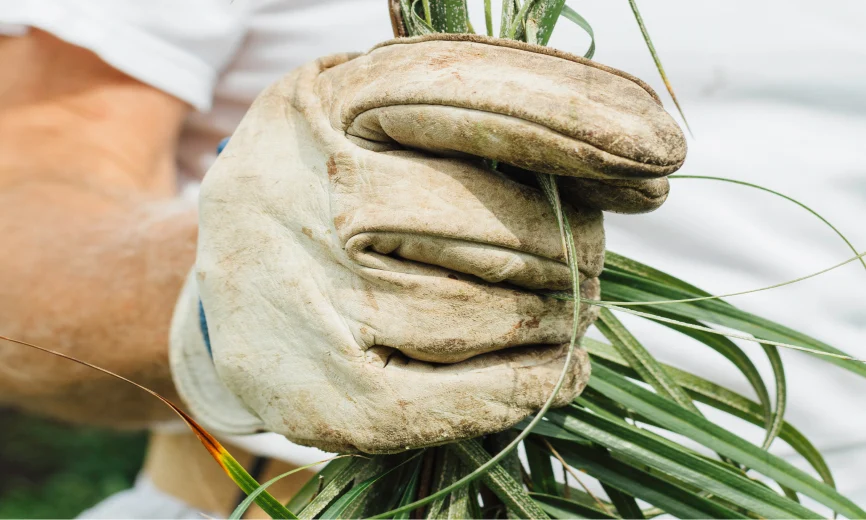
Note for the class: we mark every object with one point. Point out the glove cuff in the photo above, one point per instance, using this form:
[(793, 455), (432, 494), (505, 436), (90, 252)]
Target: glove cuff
[(208, 400)]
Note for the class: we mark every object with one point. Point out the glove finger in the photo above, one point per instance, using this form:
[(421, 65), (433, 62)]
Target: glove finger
[(520, 104), (431, 404), (458, 215), (431, 314), (616, 195)]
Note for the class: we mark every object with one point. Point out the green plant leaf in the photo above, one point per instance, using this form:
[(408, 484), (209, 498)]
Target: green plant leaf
[(778, 417), (716, 396), (343, 503), (774, 417), (636, 482), (572, 16), (679, 462), (625, 504), (449, 16), (619, 286), (540, 469), (657, 60), (699, 429), (560, 507), (239, 511), (473, 455), (410, 491), (341, 480), (230, 466), (309, 490), (542, 18), (778, 194), (509, 14), (641, 360)]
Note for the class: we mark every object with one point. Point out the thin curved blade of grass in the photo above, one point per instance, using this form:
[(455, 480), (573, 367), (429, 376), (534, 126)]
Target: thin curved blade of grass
[(619, 285), (727, 295), (658, 61), (714, 437), (233, 469), (782, 195), (718, 397), (816, 352), (239, 511), (572, 15), (551, 190)]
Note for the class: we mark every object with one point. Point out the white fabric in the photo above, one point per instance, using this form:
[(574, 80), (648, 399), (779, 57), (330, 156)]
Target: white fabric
[(143, 501), (775, 94)]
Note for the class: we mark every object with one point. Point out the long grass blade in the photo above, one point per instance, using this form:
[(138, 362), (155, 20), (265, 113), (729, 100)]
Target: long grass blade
[(410, 492), (448, 16), (473, 455), (781, 395), (332, 489), (345, 501), (571, 15), (232, 467), (650, 370), (815, 351), (541, 19), (635, 481), (718, 397), (310, 490), (657, 60), (625, 504), (727, 295), (697, 428), (560, 507), (782, 195), (239, 511), (679, 462)]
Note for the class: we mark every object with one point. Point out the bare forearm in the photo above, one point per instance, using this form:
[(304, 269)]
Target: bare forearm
[(94, 275)]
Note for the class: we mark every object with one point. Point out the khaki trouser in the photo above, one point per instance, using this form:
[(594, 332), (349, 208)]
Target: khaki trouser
[(179, 465)]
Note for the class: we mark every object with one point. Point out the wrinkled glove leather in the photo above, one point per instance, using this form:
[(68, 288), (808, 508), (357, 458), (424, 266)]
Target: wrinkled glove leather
[(369, 283)]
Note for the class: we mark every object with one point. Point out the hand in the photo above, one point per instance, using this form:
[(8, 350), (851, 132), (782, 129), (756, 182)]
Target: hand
[(369, 284)]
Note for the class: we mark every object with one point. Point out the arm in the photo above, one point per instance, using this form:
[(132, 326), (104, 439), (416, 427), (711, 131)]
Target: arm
[(95, 247)]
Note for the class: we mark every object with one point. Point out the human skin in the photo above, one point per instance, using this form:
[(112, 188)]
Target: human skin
[(96, 245)]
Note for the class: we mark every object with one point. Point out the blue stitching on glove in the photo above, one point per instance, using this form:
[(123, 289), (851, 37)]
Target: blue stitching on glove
[(202, 325), (202, 320)]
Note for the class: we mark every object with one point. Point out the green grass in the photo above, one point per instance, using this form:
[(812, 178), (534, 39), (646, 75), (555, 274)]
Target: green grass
[(53, 470)]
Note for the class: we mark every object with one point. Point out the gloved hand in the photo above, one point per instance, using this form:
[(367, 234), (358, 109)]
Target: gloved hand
[(369, 284)]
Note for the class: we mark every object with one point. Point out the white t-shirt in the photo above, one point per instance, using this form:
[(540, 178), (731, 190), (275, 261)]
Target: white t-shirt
[(775, 93)]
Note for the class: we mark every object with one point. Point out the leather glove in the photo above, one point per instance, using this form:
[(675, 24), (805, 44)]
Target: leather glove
[(369, 283)]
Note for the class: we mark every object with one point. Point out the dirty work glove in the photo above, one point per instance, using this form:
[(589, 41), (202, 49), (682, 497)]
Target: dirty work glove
[(368, 282)]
